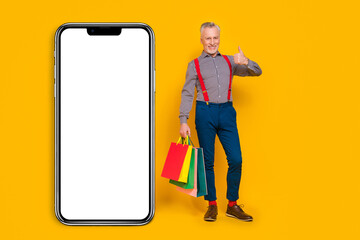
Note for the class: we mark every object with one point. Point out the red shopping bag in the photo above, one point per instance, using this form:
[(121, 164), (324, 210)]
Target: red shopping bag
[(175, 160)]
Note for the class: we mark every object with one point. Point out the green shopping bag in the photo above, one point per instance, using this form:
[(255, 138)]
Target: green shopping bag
[(201, 175), (193, 191)]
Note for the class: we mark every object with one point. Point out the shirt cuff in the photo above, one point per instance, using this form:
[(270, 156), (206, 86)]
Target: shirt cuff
[(250, 65), (183, 119)]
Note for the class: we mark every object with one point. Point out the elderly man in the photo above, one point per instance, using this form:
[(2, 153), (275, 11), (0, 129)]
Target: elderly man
[(212, 74)]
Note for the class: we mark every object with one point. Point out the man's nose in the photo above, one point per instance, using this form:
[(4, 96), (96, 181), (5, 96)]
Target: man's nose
[(212, 41)]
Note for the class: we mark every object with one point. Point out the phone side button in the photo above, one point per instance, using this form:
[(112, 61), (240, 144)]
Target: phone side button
[(55, 90), (55, 72), (154, 81)]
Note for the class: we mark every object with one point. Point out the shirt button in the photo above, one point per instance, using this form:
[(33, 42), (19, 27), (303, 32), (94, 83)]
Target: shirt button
[(219, 96)]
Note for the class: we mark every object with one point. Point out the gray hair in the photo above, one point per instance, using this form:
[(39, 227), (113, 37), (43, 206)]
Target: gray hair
[(209, 25)]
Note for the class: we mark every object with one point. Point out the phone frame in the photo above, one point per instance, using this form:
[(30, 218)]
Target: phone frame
[(57, 97)]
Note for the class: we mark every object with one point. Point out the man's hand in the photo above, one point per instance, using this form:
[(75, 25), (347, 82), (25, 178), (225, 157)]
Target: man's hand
[(240, 58), (184, 130)]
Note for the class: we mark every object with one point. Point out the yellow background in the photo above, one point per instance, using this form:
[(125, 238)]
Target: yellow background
[(298, 122)]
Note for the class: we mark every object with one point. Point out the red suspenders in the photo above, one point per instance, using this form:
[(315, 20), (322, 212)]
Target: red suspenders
[(228, 62), (206, 96)]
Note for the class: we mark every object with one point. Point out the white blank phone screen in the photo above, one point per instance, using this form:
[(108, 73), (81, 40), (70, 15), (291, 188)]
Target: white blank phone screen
[(104, 119)]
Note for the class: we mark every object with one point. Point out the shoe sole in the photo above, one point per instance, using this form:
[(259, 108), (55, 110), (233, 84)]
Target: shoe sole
[(210, 219), (245, 220)]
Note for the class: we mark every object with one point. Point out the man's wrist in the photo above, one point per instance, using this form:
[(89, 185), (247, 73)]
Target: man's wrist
[(183, 119)]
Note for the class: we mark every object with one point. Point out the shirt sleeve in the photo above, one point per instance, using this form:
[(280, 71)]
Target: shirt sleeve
[(252, 69), (187, 93)]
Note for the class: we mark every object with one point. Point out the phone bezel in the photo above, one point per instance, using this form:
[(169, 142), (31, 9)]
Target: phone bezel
[(57, 95)]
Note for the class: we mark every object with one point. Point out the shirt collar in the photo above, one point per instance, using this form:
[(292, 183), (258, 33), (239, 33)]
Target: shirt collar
[(204, 54)]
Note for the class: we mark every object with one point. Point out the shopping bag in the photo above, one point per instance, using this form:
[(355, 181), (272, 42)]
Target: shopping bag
[(193, 191), (201, 175), (190, 181), (175, 160), (186, 165)]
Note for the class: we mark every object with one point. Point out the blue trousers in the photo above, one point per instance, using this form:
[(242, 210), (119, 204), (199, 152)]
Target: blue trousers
[(220, 119)]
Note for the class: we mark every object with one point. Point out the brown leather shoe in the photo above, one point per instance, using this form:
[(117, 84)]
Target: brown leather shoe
[(236, 212), (211, 213)]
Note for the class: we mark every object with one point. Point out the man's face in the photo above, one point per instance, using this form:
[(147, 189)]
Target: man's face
[(210, 39)]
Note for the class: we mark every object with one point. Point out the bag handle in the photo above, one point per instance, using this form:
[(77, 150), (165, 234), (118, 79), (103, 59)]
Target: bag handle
[(183, 140), (186, 141), (190, 142)]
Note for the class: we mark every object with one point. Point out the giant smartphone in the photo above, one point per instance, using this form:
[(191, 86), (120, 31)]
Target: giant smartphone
[(104, 123)]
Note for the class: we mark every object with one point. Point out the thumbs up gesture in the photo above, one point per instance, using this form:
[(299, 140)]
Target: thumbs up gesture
[(240, 58)]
